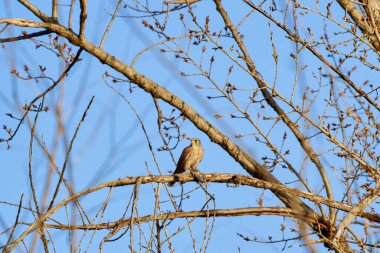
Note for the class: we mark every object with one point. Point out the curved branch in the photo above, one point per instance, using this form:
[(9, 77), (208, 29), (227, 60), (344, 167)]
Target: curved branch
[(216, 178), (251, 211)]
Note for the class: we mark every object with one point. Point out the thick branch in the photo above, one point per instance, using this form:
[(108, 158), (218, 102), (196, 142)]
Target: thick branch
[(361, 22)]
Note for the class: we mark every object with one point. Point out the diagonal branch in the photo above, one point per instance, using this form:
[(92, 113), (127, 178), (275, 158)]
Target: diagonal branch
[(16, 221), (361, 22), (68, 152), (270, 100), (358, 208), (37, 12), (26, 36), (110, 24)]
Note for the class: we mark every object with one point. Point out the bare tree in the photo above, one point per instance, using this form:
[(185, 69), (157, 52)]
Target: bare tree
[(286, 89)]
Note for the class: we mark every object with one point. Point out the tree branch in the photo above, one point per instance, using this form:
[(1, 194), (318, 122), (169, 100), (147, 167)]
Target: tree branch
[(215, 178), (83, 17), (26, 36), (251, 211)]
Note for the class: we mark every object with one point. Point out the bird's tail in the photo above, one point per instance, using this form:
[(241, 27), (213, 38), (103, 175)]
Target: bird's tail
[(177, 170)]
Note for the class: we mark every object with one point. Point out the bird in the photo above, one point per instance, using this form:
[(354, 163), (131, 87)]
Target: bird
[(189, 158)]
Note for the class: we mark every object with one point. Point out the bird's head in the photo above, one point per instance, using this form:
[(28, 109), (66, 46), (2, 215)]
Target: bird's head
[(195, 141)]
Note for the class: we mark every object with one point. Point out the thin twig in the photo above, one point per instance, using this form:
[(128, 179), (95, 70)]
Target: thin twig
[(83, 17), (26, 36), (110, 24), (16, 221), (68, 154)]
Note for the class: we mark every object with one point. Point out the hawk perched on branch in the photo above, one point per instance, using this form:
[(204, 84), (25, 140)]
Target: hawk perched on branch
[(189, 158)]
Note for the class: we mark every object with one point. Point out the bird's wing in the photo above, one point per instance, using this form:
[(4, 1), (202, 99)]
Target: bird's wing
[(182, 160)]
